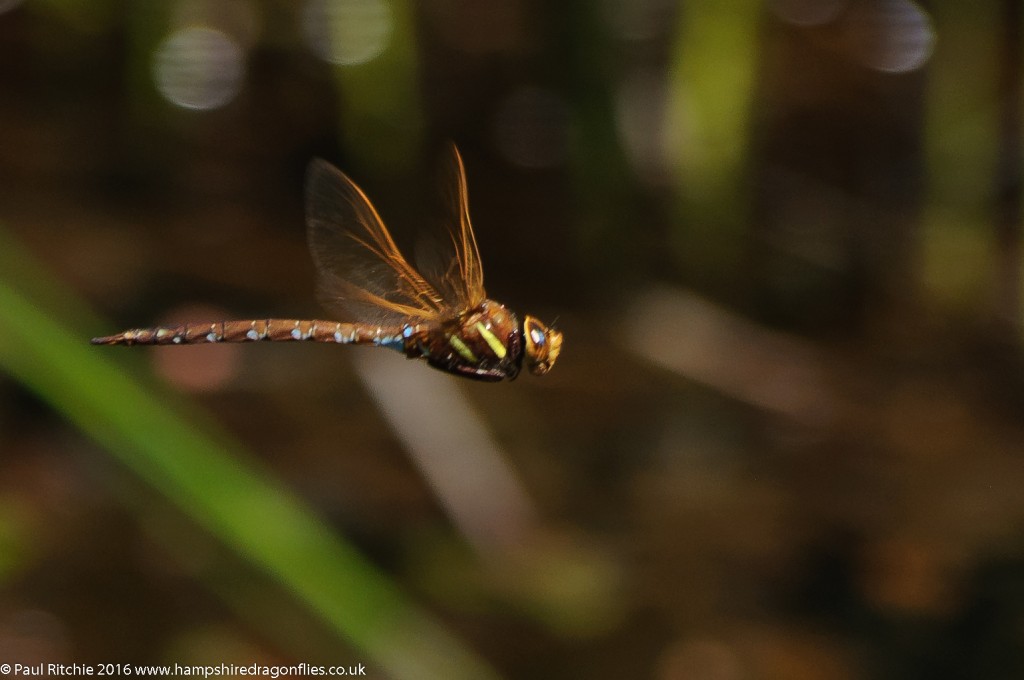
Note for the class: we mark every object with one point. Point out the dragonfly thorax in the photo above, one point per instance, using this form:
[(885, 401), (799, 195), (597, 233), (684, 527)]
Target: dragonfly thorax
[(485, 343)]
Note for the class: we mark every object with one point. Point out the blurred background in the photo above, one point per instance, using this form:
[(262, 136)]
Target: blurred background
[(782, 239)]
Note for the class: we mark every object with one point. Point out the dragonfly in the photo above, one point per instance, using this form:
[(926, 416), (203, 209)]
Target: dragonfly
[(439, 312)]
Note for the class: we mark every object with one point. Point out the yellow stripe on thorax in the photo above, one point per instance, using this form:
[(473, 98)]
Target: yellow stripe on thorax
[(492, 340), (460, 347)]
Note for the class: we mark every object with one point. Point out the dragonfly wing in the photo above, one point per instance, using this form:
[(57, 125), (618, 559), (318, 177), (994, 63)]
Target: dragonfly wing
[(361, 271), (451, 261)]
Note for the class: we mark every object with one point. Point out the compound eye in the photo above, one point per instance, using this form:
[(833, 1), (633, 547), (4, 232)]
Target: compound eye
[(538, 336)]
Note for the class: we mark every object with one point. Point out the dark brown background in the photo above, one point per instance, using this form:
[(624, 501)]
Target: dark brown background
[(783, 441)]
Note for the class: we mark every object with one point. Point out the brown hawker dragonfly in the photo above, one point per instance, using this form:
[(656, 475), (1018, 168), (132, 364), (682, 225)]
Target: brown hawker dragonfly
[(441, 315)]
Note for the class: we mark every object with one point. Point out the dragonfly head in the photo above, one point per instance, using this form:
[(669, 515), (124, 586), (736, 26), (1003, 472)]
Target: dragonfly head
[(542, 345)]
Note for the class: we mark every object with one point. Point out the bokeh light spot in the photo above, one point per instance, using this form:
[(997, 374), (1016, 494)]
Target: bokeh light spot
[(641, 108), (348, 32), (196, 368), (198, 67), (241, 19), (7, 5), (895, 36)]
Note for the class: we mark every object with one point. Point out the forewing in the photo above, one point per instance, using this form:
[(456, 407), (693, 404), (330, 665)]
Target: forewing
[(362, 274), (451, 262)]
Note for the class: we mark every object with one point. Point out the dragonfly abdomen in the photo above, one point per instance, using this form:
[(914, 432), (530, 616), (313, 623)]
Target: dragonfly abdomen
[(256, 330)]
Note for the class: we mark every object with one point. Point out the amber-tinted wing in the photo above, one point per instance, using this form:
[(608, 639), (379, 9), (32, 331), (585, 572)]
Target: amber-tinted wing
[(362, 274), (451, 263)]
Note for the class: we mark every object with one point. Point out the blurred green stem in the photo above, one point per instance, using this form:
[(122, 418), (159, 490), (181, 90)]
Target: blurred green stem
[(711, 82)]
